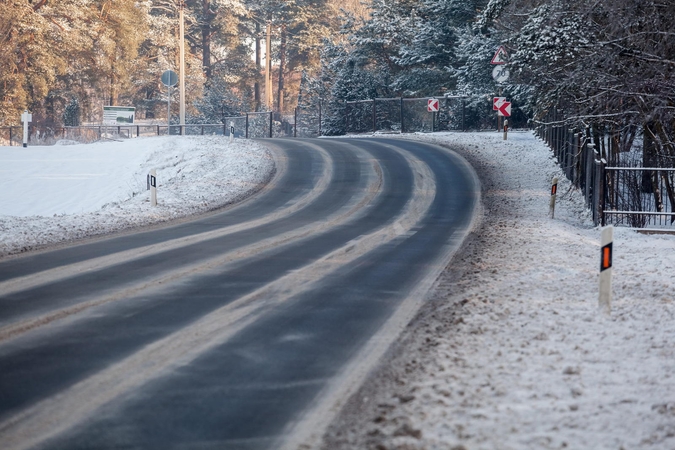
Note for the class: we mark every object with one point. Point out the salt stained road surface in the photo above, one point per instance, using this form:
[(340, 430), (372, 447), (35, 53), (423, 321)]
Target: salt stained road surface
[(510, 352), (65, 192)]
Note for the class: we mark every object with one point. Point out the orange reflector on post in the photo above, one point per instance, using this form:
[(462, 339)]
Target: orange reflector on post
[(554, 189), (606, 257)]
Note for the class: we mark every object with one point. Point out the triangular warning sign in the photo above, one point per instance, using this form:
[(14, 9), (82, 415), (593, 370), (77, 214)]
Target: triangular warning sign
[(500, 56)]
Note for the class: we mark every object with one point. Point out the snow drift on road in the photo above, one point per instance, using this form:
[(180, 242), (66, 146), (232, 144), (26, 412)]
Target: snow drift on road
[(65, 192)]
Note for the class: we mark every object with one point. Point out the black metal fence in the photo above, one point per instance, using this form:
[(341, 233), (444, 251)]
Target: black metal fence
[(403, 115), (622, 193), (251, 125)]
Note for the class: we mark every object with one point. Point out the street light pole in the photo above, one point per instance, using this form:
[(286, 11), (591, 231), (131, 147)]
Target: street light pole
[(181, 50)]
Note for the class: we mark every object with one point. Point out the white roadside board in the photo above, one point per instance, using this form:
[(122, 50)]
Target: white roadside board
[(118, 115)]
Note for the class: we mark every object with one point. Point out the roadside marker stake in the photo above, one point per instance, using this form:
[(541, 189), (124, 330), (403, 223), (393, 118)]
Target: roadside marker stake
[(153, 187), (554, 192), (506, 127), (606, 249), (231, 131)]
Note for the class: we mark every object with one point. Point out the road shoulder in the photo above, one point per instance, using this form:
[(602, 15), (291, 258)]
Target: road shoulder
[(509, 350)]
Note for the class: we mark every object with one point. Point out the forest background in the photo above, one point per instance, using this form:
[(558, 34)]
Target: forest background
[(604, 64)]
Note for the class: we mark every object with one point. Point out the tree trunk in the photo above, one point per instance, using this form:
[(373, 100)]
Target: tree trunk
[(114, 94), (206, 38), (282, 64), (648, 157)]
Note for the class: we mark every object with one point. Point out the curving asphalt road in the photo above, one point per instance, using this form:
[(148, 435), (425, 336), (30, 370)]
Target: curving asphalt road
[(242, 329)]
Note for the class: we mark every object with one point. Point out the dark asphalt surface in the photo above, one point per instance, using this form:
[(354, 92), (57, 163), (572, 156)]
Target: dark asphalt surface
[(243, 393)]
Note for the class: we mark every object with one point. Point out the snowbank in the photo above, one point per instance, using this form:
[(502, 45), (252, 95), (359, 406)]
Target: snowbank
[(65, 192)]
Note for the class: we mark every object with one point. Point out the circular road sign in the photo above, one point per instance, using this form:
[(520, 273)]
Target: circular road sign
[(500, 74), (169, 78)]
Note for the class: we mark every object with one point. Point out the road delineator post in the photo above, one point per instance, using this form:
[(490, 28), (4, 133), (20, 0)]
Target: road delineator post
[(506, 128), (606, 249), (231, 131), (153, 187), (554, 193)]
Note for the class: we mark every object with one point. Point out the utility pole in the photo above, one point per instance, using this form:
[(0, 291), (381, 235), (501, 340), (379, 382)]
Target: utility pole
[(181, 50), (258, 66), (268, 67)]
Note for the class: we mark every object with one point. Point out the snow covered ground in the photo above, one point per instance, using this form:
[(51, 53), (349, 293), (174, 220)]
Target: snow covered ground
[(69, 191), (511, 351)]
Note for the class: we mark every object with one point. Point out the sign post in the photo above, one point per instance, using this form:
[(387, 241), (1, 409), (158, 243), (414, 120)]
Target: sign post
[(606, 247), (501, 75), (26, 117), (169, 79), (433, 106)]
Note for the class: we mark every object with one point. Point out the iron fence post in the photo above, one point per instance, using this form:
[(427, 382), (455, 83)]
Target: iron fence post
[(401, 114), (246, 126), (346, 117), (374, 117), (295, 124), (463, 115), (320, 104), (271, 122)]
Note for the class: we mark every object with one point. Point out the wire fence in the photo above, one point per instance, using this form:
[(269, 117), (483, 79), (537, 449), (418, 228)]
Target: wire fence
[(616, 187), (404, 115), (250, 125)]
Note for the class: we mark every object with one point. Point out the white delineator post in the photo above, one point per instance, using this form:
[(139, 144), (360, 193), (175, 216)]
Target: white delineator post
[(554, 192), (606, 248), (506, 128), (231, 132), (153, 187), (26, 117)]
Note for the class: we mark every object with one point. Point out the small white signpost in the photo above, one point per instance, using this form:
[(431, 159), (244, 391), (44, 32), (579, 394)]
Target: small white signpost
[(606, 244), (153, 187), (231, 131), (26, 117)]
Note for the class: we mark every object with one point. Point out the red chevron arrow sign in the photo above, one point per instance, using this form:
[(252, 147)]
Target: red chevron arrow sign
[(504, 109), (433, 105)]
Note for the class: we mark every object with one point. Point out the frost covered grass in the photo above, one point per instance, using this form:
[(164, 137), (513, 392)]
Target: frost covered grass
[(512, 352), (65, 192)]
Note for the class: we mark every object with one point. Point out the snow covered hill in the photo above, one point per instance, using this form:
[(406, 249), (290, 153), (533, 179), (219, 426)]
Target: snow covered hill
[(69, 191)]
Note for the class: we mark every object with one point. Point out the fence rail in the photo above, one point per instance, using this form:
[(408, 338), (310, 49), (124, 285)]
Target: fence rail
[(637, 197)]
